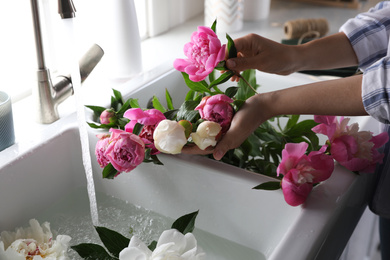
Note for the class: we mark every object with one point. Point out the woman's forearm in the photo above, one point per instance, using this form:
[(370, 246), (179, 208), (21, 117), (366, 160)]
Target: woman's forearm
[(333, 51), (331, 97)]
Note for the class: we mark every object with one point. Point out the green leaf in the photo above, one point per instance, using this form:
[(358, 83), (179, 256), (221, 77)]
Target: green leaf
[(147, 155), (222, 79), (122, 122), (231, 47), (152, 245), (115, 104), (109, 172), (221, 65), (246, 147), (314, 141), (169, 100), (151, 158), (137, 128), (112, 240), (214, 26), (301, 128), (255, 143), (92, 252), (293, 119), (264, 167), (157, 104), (156, 160), (96, 126), (134, 103), (271, 185), (187, 112), (244, 92), (124, 108), (195, 86), (231, 91), (186, 223), (198, 98), (212, 76), (190, 95), (238, 104), (118, 96), (97, 110), (171, 114)]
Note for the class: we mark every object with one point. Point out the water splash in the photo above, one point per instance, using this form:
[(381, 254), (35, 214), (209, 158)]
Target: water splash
[(70, 34)]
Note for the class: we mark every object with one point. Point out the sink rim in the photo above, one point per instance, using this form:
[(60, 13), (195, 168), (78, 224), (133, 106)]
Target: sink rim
[(307, 246)]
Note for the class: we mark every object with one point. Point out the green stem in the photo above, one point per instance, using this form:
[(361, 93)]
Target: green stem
[(217, 90), (246, 82), (279, 126)]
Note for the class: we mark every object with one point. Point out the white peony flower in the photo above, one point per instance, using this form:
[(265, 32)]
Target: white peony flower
[(33, 243), (169, 137), (172, 245), (206, 134)]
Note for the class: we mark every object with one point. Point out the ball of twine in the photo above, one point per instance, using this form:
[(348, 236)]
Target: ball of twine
[(309, 28)]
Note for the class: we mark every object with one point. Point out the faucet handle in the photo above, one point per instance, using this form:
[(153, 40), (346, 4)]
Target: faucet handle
[(89, 61), (50, 94)]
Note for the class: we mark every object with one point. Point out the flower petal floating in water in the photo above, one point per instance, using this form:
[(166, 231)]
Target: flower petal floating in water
[(33, 243), (171, 245)]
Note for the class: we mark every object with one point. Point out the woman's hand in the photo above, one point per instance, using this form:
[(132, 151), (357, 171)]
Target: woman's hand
[(245, 121), (257, 52)]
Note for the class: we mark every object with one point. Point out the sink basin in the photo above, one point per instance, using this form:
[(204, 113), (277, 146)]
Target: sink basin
[(259, 223)]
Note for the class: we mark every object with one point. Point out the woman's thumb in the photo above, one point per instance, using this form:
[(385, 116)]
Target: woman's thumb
[(239, 64), (221, 149)]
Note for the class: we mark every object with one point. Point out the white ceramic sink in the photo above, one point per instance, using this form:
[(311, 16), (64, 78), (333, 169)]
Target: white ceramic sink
[(40, 176)]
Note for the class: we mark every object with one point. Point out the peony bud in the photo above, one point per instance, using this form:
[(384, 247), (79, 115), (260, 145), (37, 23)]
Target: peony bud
[(169, 137), (218, 109), (207, 134), (108, 116)]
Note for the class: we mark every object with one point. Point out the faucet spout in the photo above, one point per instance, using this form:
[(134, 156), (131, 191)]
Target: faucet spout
[(66, 9), (49, 94)]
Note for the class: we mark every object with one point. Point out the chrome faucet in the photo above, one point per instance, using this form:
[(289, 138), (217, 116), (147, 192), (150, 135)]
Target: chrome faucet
[(48, 94)]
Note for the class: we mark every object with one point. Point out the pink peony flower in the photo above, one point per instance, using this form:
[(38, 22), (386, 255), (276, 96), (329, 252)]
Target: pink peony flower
[(100, 150), (108, 116), (356, 150), (150, 119), (125, 150), (294, 193), (301, 171), (217, 109), (203, 53)]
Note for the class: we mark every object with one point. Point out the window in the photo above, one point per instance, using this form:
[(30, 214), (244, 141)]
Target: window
[(17, 47)]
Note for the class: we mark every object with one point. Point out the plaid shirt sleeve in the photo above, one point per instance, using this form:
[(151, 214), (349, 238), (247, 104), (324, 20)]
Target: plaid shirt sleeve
[(369, 36)]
